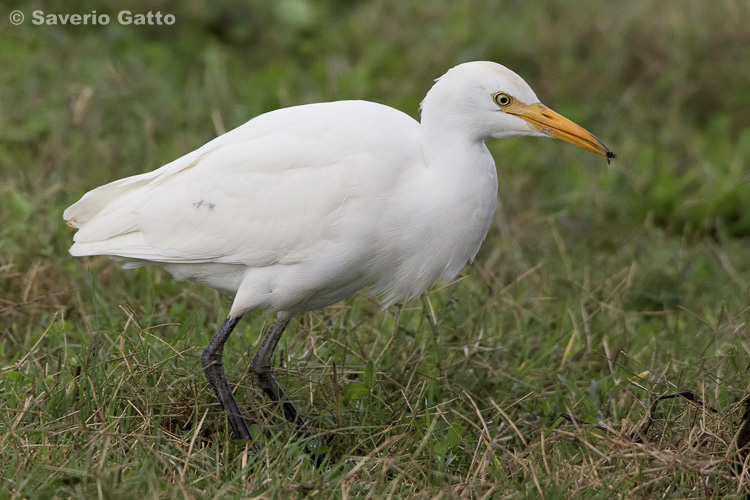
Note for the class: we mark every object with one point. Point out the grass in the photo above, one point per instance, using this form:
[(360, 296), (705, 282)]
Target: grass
[(598, 290)]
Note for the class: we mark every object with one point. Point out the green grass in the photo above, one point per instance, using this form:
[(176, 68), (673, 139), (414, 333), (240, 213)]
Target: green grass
[(598, 289)]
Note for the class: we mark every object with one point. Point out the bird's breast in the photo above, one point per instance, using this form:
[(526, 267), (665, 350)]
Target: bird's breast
[(434, 228)]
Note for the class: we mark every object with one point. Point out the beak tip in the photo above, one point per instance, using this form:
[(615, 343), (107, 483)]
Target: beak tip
[(610, 156)]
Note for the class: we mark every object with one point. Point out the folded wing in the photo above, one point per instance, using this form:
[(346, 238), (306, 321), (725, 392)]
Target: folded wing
[(272, 191)]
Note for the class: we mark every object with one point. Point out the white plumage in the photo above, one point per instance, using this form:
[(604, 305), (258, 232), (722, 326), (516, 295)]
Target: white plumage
[(301, 207)]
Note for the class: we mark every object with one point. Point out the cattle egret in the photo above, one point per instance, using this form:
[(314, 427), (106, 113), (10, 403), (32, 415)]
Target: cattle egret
[(301, 207)]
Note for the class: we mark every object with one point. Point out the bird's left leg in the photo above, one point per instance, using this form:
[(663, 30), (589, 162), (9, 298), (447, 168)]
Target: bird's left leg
[(214, 370), (261, 365)]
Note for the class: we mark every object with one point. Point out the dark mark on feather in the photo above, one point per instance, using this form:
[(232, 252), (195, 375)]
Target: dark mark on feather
[(203, 203)]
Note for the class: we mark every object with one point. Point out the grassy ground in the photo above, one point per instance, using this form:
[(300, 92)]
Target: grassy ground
[(598, 290)]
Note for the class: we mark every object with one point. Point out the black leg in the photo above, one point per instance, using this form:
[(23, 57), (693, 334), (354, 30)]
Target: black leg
[(214, 370), (261, 365)]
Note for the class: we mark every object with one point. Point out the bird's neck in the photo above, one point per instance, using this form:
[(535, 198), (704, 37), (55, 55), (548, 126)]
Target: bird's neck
[(448, 129), (449, 144)]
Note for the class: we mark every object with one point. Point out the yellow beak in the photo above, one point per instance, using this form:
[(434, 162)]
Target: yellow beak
[(546, 121)]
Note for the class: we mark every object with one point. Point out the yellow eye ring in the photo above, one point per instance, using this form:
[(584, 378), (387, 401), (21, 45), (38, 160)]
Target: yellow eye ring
[(502, 99)]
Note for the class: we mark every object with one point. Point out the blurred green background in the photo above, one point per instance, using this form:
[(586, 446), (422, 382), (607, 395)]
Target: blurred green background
[(591, 275)]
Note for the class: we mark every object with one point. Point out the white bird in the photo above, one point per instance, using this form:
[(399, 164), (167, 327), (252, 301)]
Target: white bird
[(301, 207)]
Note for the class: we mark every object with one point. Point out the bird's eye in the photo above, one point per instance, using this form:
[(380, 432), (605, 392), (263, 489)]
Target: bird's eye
[(502, 99)]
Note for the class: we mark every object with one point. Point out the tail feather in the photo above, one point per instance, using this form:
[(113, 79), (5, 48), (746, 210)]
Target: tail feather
[(96, 200)]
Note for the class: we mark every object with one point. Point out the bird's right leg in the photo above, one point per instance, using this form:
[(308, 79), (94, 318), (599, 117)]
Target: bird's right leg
[(261, 365), (214, 370)]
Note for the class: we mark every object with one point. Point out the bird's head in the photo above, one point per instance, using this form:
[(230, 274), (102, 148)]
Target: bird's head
[(489, 100)]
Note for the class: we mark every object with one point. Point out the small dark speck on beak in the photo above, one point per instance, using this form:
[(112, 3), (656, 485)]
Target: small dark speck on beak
[(610, 156)]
